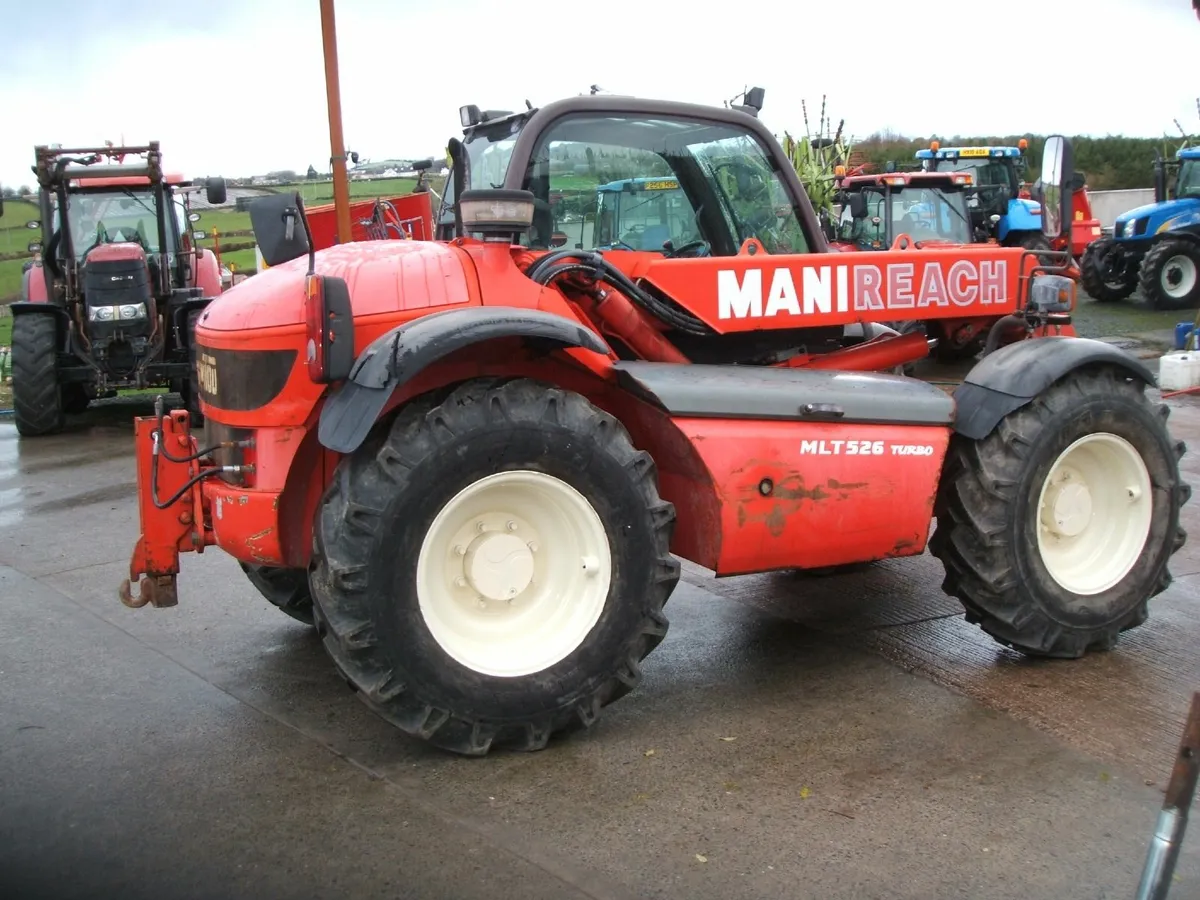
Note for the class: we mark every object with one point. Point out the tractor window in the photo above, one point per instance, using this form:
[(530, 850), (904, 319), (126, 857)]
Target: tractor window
[(929, 214), (1187, 184), (109, 217), (869, 232), (610, 182)]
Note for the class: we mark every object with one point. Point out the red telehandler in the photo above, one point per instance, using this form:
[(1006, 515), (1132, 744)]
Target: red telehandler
[(474, 462)]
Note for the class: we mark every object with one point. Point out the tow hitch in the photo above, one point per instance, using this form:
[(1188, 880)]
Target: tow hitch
[(171, 505)]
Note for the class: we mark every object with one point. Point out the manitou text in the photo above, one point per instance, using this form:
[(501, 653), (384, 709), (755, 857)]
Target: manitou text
[(863, 288)]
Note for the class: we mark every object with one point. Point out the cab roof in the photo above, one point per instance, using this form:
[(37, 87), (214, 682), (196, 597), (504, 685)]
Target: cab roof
[(645, 183), (935, 179), (969, 152), (1188, 153), (124, 181)]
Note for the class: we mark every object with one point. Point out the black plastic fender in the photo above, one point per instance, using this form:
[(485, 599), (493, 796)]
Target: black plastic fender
[(395, 358), (1007, 379)]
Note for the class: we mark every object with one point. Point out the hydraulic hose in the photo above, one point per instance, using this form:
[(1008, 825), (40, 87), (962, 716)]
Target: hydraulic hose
[(602, 270)]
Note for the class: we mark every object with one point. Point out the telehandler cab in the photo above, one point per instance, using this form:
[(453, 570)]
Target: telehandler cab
[(474, 463)]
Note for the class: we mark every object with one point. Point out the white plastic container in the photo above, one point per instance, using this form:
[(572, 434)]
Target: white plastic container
[(1179, 370)]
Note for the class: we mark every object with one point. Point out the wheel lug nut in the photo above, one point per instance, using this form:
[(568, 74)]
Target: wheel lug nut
[(460, 550), (480, 527), (511, 525), (460, 581), (533, 547), (482, 603)]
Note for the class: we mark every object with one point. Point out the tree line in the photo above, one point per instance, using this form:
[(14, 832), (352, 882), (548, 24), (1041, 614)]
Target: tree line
[(1109, 163)]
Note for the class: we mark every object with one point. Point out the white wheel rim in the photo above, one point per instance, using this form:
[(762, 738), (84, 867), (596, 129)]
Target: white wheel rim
[(1178, 277), (514, 573), (1093, 513)]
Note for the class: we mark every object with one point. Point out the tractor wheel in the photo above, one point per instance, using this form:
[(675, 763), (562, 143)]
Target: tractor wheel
[(492, 567), (37, 395), (1057, 528), (1170, 275), (286, 589), (1032, 240), (1100, 282)]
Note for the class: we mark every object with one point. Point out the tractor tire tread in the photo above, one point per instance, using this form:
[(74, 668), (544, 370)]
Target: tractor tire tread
[(37, 395), (350, 518), (973, 534), (285, 589), (1149, 279), (1092, 278)]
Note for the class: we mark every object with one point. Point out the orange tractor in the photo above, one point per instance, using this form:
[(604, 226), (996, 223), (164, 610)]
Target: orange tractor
[(473, 463)]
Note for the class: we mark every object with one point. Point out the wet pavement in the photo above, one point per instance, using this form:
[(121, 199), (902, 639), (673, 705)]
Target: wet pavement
[(847, 736)]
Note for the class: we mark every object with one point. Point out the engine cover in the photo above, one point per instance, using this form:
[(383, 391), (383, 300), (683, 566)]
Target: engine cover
[(119, 304)]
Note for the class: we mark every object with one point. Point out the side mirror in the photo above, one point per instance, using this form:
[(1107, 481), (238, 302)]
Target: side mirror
[(279, 228), (422, 165), (1058, 170), (33, 224), (199, 235), (214, 190), (858, 206), (194, 217), (34, 247)]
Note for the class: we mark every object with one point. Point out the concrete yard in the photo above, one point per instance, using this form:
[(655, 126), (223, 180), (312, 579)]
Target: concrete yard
[(840, 737)]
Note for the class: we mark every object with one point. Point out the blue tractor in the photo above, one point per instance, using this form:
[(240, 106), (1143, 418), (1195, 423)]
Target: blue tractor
[(1154, 247), (998, 211)]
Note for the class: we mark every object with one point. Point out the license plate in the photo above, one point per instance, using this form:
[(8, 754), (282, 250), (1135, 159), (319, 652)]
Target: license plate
[(973, 151)]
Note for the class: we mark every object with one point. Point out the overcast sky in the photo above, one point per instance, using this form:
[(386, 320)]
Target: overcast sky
[(236, 87)]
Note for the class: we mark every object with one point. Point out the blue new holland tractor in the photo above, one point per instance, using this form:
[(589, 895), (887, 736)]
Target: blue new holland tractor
[(1154, 247), (998, 211)]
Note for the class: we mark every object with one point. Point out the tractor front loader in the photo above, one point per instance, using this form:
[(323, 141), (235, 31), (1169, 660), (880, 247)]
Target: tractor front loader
[(110, 301), (474, 463)]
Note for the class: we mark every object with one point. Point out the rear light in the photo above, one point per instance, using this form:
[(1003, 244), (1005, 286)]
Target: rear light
[(329, 329)]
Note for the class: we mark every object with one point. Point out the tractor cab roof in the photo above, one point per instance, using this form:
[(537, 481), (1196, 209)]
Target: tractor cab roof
[(1188, 153), (969, 152), (905, 179), (131, 181), (645, 183)]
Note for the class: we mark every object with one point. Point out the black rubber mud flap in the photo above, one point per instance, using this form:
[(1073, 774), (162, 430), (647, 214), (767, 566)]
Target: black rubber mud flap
[(395, 358), (1009, 378)]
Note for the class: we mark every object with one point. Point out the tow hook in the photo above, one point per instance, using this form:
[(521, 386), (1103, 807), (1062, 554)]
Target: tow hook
[(159, 591)]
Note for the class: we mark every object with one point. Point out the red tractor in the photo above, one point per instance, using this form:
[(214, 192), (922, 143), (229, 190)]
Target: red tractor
[(118, 284), (474, 463)]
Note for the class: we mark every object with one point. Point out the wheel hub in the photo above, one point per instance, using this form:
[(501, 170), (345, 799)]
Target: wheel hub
[(1093, 513), (498, 566), (1067, 508)]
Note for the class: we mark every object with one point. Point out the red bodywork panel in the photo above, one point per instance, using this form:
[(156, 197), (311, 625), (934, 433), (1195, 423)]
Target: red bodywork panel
[(753, 291), (33, 284), (415, 210), (1085, 227), (113, 252), (208, 273), (837, 493)]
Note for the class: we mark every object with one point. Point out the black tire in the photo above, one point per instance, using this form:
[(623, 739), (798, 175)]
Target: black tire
[(1159, 268), (285, 589), (370, 528), (986, 510), (37, 395), (1100, 283)]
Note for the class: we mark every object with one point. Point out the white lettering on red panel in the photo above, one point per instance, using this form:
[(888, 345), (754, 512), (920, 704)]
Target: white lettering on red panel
[(867, 288)]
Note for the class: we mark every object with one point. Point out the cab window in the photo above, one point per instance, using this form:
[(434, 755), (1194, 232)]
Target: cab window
[(613, 182)]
